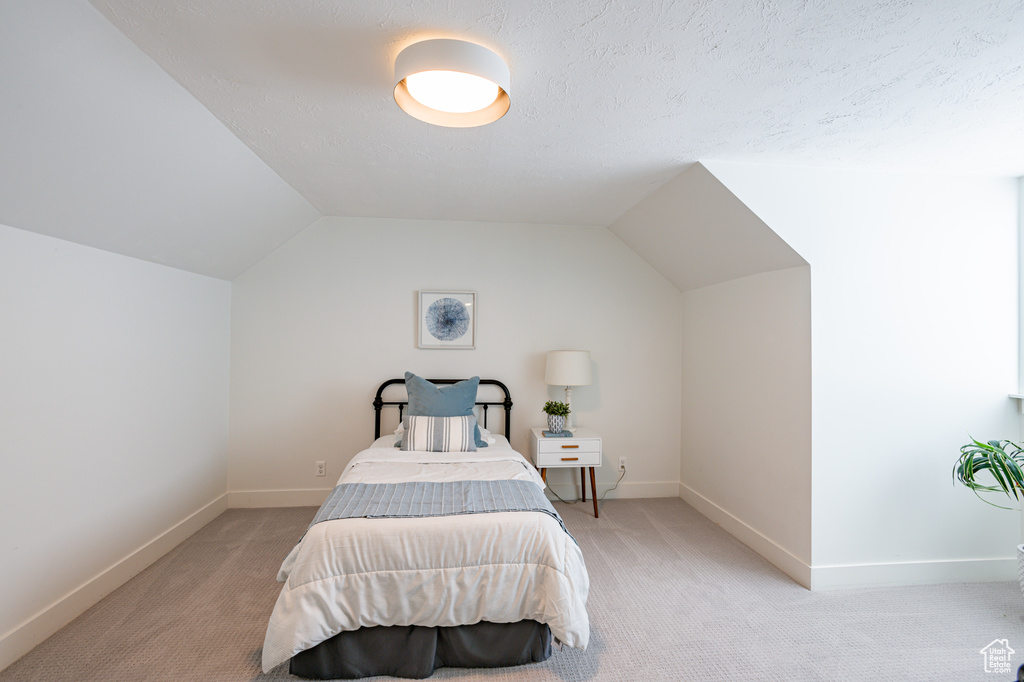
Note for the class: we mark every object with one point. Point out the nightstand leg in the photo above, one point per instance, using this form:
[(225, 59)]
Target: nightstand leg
[(593, 490), (544, 475), (583, 483)]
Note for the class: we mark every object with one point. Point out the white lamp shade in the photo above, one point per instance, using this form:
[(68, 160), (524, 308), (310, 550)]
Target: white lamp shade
[(568, 368), (445, 62)]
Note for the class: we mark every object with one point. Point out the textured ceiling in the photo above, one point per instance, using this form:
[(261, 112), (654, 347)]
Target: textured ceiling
[(609, 99), (202, 134)]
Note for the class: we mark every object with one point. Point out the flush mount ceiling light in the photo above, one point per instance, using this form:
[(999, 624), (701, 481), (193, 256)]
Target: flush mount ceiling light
[(451, 83)]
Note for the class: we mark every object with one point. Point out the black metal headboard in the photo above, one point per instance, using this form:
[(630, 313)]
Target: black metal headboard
[(379, 402)]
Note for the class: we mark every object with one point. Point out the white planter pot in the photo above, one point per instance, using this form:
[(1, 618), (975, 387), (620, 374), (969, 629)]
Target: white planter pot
[(556, 423), (1020, 567)]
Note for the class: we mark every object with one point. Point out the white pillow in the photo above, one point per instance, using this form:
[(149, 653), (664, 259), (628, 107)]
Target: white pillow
[(486, 436)]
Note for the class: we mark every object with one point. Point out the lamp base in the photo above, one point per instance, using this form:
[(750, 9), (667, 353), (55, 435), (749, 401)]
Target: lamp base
[(569, 421)]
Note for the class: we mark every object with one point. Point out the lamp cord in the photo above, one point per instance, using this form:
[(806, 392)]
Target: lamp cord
[(600, 499)]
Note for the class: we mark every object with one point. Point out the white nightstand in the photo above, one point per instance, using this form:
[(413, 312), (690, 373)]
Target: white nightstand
[(582, 449)]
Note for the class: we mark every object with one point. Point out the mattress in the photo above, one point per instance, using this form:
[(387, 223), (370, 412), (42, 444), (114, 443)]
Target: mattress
[(502, 567)]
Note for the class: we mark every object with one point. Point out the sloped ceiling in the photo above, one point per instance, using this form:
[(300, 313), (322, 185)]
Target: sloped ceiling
[(283, 110), (100, 146), (696, 233)]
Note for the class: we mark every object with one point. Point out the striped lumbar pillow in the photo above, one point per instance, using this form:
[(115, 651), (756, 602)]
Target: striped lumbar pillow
[(440, 434)]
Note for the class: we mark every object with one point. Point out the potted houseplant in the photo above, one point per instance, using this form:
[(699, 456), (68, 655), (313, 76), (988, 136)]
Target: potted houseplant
[(556, 412), (1004, 462)]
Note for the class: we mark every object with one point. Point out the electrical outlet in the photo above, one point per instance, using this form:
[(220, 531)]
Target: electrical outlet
[(321, 468), (622, 463)]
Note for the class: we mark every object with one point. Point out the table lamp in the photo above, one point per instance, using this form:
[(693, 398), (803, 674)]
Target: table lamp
[(568, 368)]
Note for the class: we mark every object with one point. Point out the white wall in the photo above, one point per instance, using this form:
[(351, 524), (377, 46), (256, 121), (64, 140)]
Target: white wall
[(1020, 323), (914, 349), (113, 410), (319, 324), (746, 421)]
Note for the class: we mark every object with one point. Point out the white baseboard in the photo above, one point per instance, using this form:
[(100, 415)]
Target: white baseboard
[(245, 499), (913, 573), (625, 491), (25, 636), (848, 576), (779, 556)]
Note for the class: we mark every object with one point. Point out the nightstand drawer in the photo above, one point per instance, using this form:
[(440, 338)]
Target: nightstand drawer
[(580, 450), (565, 444), (579, 454)]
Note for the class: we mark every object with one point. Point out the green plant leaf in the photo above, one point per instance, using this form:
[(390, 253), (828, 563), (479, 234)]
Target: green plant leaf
[(556, 408), (1005, 468)]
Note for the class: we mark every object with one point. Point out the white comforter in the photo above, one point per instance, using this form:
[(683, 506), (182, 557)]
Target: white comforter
[(441, 571)]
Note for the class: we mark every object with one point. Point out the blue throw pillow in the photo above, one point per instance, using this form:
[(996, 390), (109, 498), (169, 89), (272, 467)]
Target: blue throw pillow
[(454, 400)]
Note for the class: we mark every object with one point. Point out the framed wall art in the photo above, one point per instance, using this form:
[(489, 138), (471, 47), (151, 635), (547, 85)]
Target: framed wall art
[(447, 320)]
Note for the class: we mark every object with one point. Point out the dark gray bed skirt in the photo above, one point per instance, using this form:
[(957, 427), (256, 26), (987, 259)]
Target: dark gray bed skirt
[(416, 652)]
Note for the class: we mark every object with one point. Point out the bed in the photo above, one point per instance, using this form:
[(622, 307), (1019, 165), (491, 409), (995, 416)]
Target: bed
[(405, 594)]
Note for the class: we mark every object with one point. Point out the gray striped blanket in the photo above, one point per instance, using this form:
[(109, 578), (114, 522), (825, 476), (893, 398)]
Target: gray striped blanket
[(428, 498)]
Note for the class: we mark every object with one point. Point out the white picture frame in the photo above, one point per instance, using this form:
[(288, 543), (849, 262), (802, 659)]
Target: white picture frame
[(447, 320)]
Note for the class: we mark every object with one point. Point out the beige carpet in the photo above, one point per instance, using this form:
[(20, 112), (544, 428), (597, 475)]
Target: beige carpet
[(673, 597)]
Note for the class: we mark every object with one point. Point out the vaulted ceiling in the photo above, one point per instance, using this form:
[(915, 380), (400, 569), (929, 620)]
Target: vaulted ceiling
[(204, 133)]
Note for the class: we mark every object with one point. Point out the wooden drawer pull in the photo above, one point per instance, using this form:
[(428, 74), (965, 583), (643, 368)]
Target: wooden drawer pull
[(570, 459), (566, 447)]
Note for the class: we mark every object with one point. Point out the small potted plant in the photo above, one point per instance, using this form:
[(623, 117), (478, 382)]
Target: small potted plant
[(556, 412), (1004, 461)]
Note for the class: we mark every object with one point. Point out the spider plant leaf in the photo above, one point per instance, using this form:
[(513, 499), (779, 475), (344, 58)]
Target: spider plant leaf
[(1003, 460), (998, 469)]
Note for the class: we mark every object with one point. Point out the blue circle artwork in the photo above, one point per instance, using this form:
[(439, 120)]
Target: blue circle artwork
[(447, 319)]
